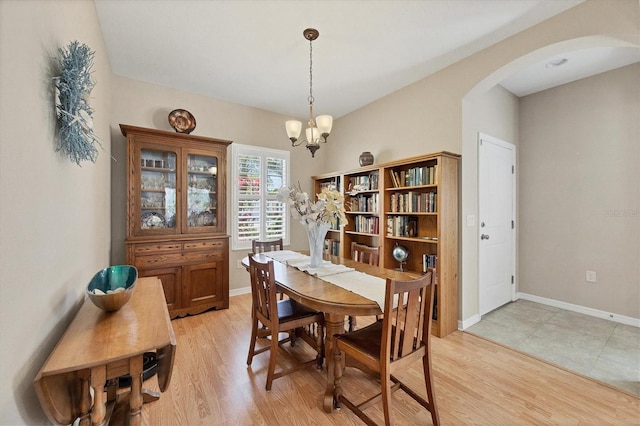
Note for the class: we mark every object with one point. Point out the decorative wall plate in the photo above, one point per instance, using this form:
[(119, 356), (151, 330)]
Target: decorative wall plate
[(152, 220), (182, 121)]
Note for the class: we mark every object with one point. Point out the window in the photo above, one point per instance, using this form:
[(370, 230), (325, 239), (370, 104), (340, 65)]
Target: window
[(257, 175)]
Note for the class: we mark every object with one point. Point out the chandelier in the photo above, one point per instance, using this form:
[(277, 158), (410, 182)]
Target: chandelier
[(320, 127)]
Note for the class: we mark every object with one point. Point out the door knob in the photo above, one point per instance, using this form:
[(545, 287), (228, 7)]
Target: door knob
[(484, 237)]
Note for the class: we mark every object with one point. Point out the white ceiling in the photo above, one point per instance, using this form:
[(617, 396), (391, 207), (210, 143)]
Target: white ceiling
[(253, 52)]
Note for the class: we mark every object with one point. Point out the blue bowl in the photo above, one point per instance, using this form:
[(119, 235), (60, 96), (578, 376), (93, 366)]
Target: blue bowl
[(111, 288)]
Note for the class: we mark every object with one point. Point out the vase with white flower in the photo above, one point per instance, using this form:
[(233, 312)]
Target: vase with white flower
[(316, 216)]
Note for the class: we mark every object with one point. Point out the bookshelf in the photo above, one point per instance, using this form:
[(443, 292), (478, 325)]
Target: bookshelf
[(332, 243), (411, 202), (361, 189)]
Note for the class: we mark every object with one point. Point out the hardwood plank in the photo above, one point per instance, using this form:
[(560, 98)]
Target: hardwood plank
[(476, 382)]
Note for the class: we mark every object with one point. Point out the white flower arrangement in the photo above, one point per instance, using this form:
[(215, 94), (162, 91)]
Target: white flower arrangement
[(328, 209)]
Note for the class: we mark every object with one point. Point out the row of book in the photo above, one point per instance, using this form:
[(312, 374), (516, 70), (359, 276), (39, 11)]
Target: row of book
[(428, 261), (364, 203), (413, 202), (413, 177), (367, 224), (363, 182), (330, 185), (332, 247), (402, 226)]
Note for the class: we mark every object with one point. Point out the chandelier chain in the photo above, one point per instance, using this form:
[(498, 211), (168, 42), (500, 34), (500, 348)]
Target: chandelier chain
[(311, 71)]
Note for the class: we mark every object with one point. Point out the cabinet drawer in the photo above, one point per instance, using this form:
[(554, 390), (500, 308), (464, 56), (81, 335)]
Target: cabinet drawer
[(205, 245), (154, 248), (201, 256), (158, 260)]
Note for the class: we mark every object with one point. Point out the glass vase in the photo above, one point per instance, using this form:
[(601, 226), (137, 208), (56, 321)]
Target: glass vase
[(316, 233)]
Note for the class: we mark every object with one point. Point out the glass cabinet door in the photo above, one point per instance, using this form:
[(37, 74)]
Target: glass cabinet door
[(157, 190), (202, 191)]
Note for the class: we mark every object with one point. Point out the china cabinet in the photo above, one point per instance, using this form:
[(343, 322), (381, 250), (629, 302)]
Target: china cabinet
[(176, 216), (412, 204)]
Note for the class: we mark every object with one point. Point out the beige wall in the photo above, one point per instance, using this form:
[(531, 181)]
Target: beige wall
[(579, 201), (493, 113), (54, 215), (147, 105), (427, 116)]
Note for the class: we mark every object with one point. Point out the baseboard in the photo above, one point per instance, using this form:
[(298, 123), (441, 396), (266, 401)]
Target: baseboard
[(239, 291), (580, 309), (463, 325)]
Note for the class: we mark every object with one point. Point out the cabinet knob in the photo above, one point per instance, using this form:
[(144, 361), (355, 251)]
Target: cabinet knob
[(484, 237)]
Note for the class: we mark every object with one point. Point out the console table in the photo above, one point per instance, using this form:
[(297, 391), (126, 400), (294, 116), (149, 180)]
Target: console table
[(97, 348)]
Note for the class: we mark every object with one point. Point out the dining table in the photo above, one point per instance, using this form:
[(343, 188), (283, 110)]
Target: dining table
[(336, 302)]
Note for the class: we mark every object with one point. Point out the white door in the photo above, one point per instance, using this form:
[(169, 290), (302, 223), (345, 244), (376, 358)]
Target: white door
[(496, 220)]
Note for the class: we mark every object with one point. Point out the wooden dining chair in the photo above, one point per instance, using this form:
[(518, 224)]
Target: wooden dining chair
[(280, 316), (363, 254), (263, 246), (391, 344), (268, 245)]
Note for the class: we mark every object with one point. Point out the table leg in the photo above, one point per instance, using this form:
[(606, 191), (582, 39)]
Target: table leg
[(335, 325), (135, 370), (98, 379), (85, 398)]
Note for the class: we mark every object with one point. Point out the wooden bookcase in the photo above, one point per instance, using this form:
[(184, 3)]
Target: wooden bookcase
[(411, 202), (176, 216)]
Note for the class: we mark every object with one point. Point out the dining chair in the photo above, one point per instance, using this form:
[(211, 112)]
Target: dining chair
[(268, 245), (390, 345), (363, 254), (280, 316), (263, 246)]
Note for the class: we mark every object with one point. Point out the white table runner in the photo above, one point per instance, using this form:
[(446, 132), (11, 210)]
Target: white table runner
[(373, 288)]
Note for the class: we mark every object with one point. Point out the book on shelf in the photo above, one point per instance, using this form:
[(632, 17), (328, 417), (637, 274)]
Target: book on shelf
[(331, 247), (416, 176), (429, 261), (402, 226)]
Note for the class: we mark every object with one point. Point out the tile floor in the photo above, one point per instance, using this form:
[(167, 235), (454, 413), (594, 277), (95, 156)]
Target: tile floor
[(598, 348)]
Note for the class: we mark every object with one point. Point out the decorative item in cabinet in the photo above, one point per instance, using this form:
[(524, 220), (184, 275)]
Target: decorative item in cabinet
[(176, 216)]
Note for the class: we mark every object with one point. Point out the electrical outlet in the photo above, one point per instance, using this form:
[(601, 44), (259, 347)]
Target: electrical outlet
[(591, 276), (239, 264)]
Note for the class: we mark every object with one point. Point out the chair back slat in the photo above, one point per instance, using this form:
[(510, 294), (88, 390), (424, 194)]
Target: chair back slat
[(264, 246), (404, 326), (263, 289), (365, 254)]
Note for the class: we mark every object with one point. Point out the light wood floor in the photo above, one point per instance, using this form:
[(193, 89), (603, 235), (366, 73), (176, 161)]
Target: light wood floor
[(476, 382)]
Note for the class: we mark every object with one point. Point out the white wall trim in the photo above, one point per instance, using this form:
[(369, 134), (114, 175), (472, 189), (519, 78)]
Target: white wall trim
[(464, 324), (581, 309), (239, 291)]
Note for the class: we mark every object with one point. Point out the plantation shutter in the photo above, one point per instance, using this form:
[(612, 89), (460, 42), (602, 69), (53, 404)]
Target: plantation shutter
[(257, 176), (249, 217), (276, 219)]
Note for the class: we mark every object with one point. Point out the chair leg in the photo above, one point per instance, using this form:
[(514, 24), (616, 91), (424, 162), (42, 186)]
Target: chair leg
[(386, 397), (426, 364), (273, 353), (252, 344)]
